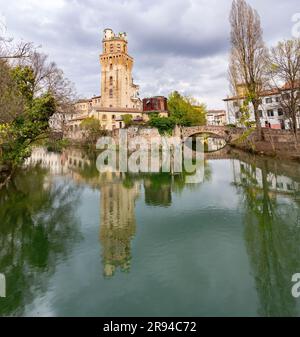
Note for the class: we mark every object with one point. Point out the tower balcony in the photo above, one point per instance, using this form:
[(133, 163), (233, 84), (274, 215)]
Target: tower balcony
[(134, 98)]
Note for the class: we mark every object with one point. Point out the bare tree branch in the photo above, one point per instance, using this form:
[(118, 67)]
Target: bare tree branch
[(284, 70), (248, 55)]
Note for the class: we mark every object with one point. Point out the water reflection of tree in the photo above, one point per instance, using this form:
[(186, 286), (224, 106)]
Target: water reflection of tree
[(119, 192), (37, 226), (273, 241)]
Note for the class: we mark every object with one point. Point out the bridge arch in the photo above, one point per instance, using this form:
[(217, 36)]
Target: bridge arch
[(227, 133)]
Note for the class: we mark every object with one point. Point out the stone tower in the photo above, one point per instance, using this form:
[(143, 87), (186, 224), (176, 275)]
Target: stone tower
[(117, 88)]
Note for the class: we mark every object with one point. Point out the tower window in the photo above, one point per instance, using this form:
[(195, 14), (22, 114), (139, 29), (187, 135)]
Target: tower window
[(111, 80), (110, 93), (110, 66)]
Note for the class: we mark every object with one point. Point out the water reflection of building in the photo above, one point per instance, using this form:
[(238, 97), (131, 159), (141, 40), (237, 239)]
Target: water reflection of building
[(118, 224), (246, 173), (214, 144), (118, 195), (58, 163), (55, 162)]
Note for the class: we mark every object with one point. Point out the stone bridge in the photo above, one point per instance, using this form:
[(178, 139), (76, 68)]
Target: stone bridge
[(227, 133)]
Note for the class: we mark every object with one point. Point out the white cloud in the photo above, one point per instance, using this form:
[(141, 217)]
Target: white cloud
[(180, 44)]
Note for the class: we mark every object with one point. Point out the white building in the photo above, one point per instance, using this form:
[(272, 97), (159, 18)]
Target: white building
[(270, 110), (216, 117)]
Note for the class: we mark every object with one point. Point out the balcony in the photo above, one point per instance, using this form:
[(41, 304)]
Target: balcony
[(134, 98)]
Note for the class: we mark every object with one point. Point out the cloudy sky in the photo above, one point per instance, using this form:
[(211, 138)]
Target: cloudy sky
[(177, 44)]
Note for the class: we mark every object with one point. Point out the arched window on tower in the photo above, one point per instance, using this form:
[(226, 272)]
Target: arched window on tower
[(110, 66), (111, 80), (110, 93)]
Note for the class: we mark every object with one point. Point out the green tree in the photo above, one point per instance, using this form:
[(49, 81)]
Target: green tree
[(24, 129), (186, 111), (127, 119), (92, 128), (165, 125)]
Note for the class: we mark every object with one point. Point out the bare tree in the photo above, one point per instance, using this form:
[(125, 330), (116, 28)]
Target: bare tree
[(9, 49), (248, 55), (51, 79), (285, 73)]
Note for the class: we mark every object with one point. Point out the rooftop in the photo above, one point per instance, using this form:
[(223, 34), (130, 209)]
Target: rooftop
[(215, 112), (265, 93)]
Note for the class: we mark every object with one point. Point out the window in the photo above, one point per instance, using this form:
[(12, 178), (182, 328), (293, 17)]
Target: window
[(111, 80), (110, 66), (104, 117), (269, 100), (280, 112), (270, 113), (110, 93), (113, 117), (279, 185), (260, 113), (277, 99)]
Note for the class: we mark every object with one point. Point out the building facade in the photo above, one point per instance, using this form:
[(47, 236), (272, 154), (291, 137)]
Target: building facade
[(270, 109), (216, 117), (156, 104), (119, 95), (117, 87)]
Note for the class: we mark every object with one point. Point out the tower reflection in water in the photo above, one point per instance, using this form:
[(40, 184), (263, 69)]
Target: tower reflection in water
[(118, 224), (118, 195)]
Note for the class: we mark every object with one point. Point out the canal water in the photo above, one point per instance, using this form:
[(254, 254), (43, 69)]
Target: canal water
[(74, 242)]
